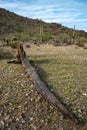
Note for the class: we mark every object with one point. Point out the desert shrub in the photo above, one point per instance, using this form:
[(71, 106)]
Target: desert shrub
[(36, 37), (63, 28), (80, 44), (57, 42), (46, 37), (85, 46), (70, 41), (62, 38), (27, 46), (24, 36), (81, 41), (13, 44)]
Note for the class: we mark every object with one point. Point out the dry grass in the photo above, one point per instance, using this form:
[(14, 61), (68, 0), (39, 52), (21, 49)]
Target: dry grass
[(7, 52), (64, 70), (21, 106)]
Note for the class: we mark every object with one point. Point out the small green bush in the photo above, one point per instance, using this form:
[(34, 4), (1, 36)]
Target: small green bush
[(57, 42), (80, 44), (24, 36), (13, 44), (46, 37)]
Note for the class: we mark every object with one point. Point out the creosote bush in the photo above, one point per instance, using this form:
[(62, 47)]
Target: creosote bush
[(12, 42), (13, 45), (80, 44)]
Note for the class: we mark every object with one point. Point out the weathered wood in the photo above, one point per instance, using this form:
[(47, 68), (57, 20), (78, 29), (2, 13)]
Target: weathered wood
[(21, 53), (41, 87), (13, 62)]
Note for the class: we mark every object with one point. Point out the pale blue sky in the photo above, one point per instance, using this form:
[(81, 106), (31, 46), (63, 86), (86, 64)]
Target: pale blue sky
[(65, 12)]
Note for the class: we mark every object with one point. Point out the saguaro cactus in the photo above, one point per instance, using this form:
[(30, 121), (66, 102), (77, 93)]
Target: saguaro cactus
[(41, 31), (74, 34)]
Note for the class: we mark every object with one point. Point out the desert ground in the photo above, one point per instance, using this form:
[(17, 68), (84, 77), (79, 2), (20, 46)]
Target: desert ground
[(64, 71)]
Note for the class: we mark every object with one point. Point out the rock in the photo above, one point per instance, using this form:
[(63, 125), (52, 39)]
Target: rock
[(33, 126), (23, 121), (31, 118), (7, 118), (2, 125)]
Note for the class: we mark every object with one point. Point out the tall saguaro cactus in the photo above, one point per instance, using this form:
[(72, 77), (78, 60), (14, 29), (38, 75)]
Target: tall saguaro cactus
[(74, 34), (41, 31)]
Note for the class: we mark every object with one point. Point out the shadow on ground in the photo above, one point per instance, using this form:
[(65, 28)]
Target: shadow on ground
[(43, 76), (5, 54)]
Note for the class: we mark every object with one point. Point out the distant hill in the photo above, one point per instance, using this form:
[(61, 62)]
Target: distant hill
[(26, 29)]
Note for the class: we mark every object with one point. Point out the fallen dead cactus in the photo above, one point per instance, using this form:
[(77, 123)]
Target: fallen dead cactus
[(41, 87)]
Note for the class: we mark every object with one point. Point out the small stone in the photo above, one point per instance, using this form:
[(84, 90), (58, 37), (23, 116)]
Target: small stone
[(79, 111), (10, 103), (84, 94), (20, 117), (46, 123), (6, 118), (42, 121), (2, 124), (25, 102), (6, 94), (26, 108), (31, 99), (22, 74), (51, 107), (17, 119), (34, 127), (26, 94), (18, 82), (19, 106), (23, 121), (31, 118)]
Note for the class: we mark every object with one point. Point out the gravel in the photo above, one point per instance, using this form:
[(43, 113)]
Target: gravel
[(23, 108)]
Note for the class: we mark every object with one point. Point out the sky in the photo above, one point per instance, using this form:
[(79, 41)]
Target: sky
[(65, 12)]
